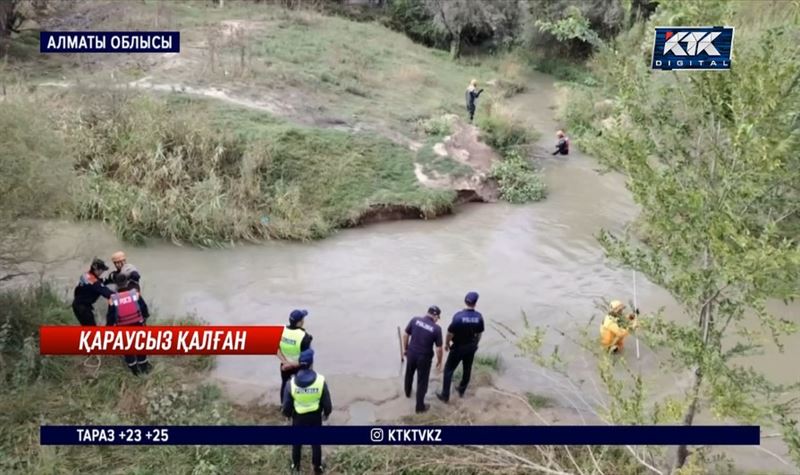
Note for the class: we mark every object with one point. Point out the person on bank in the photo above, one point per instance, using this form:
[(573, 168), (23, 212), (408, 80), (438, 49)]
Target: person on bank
[(562, 146), (615, 329), (308, 402), (425, 334), (90, 288), (463, 336), (472, 95), (121, 265), (127, 308), (294, 341)]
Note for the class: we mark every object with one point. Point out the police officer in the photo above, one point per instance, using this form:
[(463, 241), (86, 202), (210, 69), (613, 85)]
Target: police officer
[(294, 340), (120, 261), (127, 308), (463, 336), (90, 288), (424, 333), (308, 402)]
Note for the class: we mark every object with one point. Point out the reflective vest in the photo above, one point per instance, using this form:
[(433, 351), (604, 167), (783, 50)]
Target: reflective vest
[(307, 399), (290, 343), (127, 303)]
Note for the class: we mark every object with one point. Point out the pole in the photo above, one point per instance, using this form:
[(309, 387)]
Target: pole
[(635, 307), (400, 340)]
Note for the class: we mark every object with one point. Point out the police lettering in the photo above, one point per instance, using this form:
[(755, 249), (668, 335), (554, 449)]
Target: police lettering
[(308, 390), (470, 319), (415, 435), (209, 340), (424, 325), (95, 435)]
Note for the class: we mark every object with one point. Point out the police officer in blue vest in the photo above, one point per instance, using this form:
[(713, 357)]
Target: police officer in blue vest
[(463, 336), (294, 340), (307, 401), (425, 334)]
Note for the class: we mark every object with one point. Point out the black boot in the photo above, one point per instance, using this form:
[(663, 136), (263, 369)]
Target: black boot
[(319, 469), (145, 367), (135, 370)]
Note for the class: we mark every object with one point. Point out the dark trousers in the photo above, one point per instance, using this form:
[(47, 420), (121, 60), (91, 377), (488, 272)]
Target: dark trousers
[(471, 110), (285, 377), (312, 419), (421, 364), (84, 313), (458, 354), (136, 362)]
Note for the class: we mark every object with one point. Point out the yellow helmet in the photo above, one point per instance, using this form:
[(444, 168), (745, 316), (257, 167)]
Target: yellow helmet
[(118, 256), (616, 305)]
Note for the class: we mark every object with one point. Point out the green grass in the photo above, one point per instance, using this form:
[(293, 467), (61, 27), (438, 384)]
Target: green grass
[(537, 401), (201, 172), (433, 164)]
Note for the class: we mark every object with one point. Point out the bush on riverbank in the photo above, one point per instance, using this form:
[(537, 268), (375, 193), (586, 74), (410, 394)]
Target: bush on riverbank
[(195, 171)]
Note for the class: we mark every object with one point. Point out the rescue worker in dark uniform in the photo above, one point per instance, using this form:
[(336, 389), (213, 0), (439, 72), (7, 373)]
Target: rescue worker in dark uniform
[(307, 401), (294, 340), (120, 261), (127, 308), (471, 95), (562, 147), (90, 288), (463, 336), (425, 334)]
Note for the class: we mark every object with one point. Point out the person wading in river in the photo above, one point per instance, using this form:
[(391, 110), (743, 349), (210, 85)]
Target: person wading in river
[(127, 308), (90, 288), (463, 336), (308, 402), (562, 146), (614, 329), (294, 341), (471, 96), (424, 334)]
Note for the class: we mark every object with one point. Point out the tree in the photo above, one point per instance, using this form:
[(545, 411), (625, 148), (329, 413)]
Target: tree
[(454, 16), (712, 160)]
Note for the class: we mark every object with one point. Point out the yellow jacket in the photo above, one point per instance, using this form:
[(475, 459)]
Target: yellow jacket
[(611, 334)]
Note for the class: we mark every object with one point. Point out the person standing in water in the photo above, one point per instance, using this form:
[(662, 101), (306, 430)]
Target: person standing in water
[(472, 95)]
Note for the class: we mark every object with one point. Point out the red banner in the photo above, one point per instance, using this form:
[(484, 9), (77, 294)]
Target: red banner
[(173, 340)]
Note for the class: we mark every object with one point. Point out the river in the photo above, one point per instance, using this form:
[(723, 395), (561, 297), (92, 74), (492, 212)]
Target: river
[(360, 284)]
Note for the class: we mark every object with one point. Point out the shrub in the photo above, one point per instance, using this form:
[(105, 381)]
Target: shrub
[(518, 181), (437, 126), (500, 130)]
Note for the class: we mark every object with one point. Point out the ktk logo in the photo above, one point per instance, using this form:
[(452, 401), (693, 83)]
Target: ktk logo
[(693, 47), (696, 43)]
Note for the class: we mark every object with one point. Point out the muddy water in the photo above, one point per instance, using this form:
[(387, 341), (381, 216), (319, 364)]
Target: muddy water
[(361, 284)]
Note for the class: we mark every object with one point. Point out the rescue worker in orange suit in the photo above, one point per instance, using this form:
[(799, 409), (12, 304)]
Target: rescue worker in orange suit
[(90, 288), (120, 261), (127, 308), (615, 328), (307, 401), (294, 341), (562, 146)]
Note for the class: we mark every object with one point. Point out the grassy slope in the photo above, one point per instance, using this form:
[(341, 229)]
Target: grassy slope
[(323, 179)]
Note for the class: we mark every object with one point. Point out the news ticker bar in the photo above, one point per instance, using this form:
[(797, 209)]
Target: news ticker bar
[(160, 340), (109, 42), (399, 435)]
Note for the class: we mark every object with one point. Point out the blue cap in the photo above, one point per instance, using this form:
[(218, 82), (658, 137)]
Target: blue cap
[(297, 315), (434, 310), (306, 357), (471, 298)]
